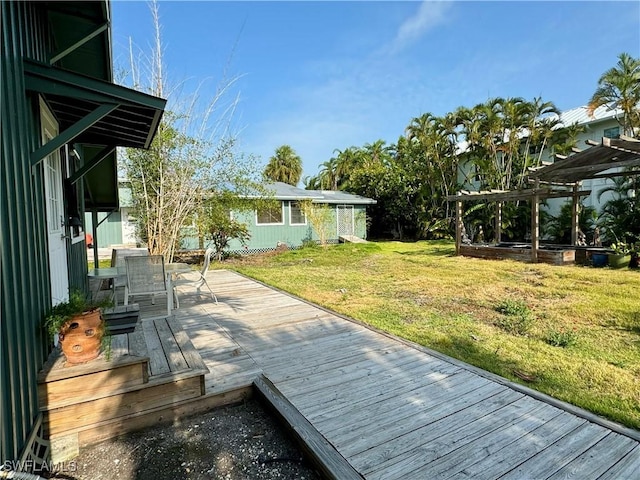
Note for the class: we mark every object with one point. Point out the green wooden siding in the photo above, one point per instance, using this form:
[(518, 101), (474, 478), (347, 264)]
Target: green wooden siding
[(109, 231), (267, 237), (23, 255)]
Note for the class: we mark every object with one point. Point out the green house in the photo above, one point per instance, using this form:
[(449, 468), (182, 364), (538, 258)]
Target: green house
[(284, 222), (62, 119)]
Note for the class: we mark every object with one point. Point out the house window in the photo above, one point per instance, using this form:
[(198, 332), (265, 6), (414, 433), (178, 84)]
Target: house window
[(613, 132), (296, 215), (269, 216), (477, 177)]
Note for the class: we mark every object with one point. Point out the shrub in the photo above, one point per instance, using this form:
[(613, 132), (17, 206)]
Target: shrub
[(309, 243), (517, 317), (562, 339)]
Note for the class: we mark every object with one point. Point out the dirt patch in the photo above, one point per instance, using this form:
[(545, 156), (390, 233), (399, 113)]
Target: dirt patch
[(238, 442)]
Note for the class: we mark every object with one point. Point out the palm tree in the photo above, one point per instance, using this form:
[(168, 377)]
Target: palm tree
[(377, 152), (285, 166), (620, 215), (312, 183), (347, 162), (328, 176), (619, 87)]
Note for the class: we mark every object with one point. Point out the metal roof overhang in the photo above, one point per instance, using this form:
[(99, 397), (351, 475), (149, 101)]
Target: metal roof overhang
[(594, 162), (99, 115)]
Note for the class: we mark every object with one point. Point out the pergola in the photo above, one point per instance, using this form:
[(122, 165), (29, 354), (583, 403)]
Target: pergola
[(561, 179)]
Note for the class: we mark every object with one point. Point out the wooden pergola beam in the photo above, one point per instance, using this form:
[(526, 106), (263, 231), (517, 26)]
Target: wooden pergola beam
[(541, 193), (600, 167), (498, 226), (458, 226), (535, 222), (575, 214)]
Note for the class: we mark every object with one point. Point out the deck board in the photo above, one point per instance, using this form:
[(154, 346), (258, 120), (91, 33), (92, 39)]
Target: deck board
[(390, 409), (158, 363)]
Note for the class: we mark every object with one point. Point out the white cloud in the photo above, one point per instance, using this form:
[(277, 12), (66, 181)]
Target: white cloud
[(429, 15)]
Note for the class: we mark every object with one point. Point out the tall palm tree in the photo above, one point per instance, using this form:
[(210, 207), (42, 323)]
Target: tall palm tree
[(285, 166), (347, 161), (312, 183), (328, 176), (377, 152), (619, 87)]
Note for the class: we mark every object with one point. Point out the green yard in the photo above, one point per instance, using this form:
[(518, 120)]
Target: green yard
[(571, 332)]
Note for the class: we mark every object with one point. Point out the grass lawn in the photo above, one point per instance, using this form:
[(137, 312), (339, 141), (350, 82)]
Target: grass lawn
[(572, 332)]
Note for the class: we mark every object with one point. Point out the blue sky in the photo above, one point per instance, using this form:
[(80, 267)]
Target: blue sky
[(327, 75)]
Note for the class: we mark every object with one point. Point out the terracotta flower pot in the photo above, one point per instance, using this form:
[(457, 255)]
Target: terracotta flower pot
[(80, 337)]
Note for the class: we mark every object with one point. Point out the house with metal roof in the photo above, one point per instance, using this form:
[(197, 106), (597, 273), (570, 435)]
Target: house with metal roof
[(284, 222), (62, 119)]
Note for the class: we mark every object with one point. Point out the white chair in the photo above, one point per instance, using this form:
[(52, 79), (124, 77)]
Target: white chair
[(195, 278), (146, 276)]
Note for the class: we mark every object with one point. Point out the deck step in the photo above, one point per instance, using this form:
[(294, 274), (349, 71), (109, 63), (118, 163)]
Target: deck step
[(151, 370), (70, 418), (66, 445), (60, 385), (351, 239)]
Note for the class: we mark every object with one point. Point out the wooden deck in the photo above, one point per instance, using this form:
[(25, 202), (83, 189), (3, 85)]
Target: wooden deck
[(391, 409)]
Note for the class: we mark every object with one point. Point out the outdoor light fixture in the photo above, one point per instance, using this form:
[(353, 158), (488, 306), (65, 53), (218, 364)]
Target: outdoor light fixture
[(75, 222)]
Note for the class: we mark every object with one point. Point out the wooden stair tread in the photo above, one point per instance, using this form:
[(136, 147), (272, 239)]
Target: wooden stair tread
[(59, 370)]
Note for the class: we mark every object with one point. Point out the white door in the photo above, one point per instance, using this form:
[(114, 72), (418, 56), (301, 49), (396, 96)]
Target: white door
[(345, 220), (52, 170)]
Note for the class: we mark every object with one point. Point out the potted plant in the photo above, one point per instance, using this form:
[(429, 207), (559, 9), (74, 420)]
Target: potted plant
[(79, 325), (621, 255)]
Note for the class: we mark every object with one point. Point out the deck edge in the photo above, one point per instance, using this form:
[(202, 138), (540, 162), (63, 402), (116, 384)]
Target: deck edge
[(322, 453)]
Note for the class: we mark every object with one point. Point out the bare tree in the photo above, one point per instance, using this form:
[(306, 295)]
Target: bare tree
[(320, 215), (192, 156)]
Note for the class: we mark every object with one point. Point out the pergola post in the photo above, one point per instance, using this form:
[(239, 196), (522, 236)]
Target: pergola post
[(535, 222), (575, 215), (458, 225), (498, 227)]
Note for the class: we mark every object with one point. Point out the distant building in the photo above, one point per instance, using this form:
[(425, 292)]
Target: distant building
[(117, 227), (285, 223)]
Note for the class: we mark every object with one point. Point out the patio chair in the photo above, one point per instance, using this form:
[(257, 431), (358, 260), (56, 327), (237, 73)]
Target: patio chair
[(146, 276), (118, 256), (195, 279)]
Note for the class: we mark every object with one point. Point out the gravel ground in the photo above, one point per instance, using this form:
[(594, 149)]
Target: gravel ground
[(238, 442)]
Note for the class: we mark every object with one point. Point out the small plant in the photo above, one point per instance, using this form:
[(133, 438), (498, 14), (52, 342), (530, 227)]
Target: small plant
[(562, 339), (620, 248), (309, 243), (517, 317), (77, 304)]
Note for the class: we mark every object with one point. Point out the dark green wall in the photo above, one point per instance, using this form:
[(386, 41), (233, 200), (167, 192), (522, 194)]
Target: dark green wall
[(23, 246)]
